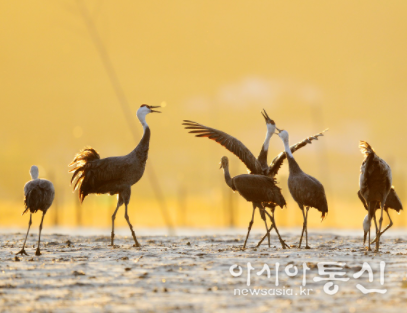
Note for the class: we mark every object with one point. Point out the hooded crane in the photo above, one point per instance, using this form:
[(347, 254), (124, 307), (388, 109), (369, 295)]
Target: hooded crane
[(392, 202), (375, 185), (305, 189), (38, 195), (271, 128), (255, 166), (257, 189), (262, 158), (113, 175), (272, 170)]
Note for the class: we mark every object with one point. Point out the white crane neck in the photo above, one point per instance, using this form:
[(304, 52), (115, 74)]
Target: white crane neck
[(287, 148), (142, 119)]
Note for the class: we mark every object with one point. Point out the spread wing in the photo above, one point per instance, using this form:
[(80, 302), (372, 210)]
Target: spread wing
[(279, 159), (229, 142)]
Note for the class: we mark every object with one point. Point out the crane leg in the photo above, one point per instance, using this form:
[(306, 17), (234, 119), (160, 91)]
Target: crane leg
[(283, 244), (119, 203), (370, 211), (306, 230), (303, 225), (380, 225), (263, 216), (22, 251), (38, 252), (269, 230), (250, 227), (126, 216), (388, 226), (375, 223)]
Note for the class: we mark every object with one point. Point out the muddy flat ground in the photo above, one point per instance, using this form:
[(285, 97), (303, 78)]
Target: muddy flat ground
[(192, 274)]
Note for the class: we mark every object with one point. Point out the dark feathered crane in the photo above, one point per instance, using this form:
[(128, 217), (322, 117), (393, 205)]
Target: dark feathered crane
[(272, 169), (113, 175), (392, 202), (257, 189), (38, 195), (271, 128), (255, 166), (305, 189), (375, 184)]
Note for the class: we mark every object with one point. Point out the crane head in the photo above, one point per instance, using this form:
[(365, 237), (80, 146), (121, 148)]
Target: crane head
[(271, 126), (283, 134), (267, 118), (150, 108), (34, 172), (224, 161)]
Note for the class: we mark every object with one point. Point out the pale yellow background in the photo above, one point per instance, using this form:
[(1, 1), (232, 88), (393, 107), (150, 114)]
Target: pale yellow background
[(310, 64)]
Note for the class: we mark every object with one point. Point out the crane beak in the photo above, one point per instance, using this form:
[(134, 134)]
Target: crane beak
[(266, 117), (220, 165), (278, 130), (154, 107)]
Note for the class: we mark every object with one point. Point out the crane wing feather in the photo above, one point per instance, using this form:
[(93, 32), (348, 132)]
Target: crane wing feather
[(229, 142), (279, 159)]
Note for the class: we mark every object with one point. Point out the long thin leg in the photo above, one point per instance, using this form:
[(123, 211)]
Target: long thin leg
[(265, 223), (38, 252), (269, 230), (126, 216), (306, 230), (375, 224), (283, 244), (370, 221), (380, 226), (388, 226), (250, 227), (303, 225), (22, 251), (113, 218)]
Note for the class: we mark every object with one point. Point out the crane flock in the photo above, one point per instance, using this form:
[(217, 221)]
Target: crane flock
[(116, 175)]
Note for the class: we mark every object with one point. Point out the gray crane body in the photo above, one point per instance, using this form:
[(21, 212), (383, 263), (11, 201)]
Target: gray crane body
[(113, 175), (375, 185), (38, 196)]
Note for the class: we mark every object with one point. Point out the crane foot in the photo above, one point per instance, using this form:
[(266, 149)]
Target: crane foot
[(38, 252), (284, 245), (22, 251), (136, 243), (307, 247)]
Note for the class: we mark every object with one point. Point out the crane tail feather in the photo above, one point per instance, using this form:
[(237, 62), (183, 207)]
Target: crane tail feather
[(365, 148), (82, 162), (324, 214)]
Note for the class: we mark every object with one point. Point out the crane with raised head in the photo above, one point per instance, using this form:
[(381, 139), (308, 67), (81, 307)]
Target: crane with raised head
[(113, 175)]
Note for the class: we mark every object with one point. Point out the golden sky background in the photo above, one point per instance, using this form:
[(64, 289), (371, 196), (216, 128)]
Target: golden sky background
[(310, 64)]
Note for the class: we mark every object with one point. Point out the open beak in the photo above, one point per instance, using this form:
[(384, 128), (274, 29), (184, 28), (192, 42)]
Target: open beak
[(154, 107), (266, 117), (278, 130)]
